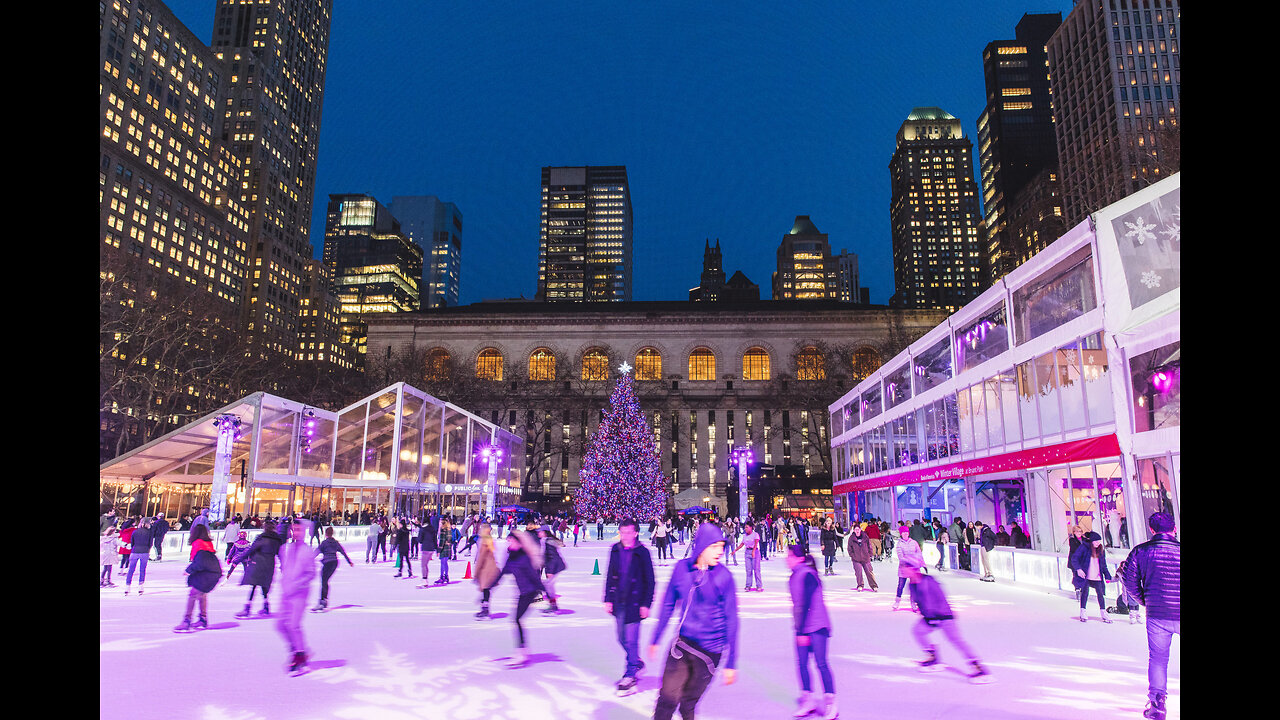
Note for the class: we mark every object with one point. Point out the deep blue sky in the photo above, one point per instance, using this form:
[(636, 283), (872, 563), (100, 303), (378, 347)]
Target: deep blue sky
[(731, 118)]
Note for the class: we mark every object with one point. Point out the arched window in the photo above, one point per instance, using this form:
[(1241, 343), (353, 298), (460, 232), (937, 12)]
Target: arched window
[(810, 364), (702, 364), (489, 365), (755, 364), (648, 364), (595, 365), (542, 365), (865, 361), (437, 364)]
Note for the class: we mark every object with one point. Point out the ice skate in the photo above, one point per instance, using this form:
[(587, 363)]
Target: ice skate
[(896, 603), (299, 664), (520, 660), (139, 588), (184, 627), (1102, 615), (320, 607), (829, 709), (245, 612), (126, 589), (980, 675), (1155, 709), (265, 611), (807, 705), (930, 663), (626, 686), (484, 612), (1135, 615), (201, 624), (1082, 617)]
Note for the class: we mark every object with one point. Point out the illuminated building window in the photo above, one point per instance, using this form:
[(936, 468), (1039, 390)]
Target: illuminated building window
[(755, 364), (489, 365), (595, 365), (437, 364), (810, 364), (865, 362), (542, 365), (648, 364), (702, 364)]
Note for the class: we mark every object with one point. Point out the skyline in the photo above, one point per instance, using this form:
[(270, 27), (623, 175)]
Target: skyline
[(791, 111)]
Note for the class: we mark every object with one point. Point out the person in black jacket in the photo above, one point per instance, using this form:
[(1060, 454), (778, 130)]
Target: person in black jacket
[(261, 563), (203, 575), (628, 595), (524, 563), (986, 543), (427, 546), (140, 552), (402, 547), (159, 527)]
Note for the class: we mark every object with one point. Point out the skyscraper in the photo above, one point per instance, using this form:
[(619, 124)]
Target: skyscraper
[(275, 52), (806, 270), (712, 280), (584, 249), (848, 281), (436, 227), (933, 209), (375, 267), (1015, 131), (1116, 79)]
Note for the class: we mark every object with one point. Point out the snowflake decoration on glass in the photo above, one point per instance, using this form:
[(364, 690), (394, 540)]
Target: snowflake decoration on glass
[(1140, 231), (1150, 279), (1174, 231)]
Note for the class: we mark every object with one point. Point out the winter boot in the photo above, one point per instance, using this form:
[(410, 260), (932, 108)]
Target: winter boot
[(1155, 709), (930, 663), (1135, 615), (245, 612), (829, 709), (1082, 618), (807, 704), (266, 610), (980, 675), (896, 602)]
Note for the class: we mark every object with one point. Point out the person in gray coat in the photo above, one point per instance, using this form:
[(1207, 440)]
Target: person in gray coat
[(297, 570), (860, 555), (261, 562)]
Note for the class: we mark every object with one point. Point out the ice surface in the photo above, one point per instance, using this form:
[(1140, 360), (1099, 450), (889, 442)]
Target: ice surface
[(391, 651)]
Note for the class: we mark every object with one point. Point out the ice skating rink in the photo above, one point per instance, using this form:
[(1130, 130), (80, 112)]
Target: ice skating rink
[(391, 651)]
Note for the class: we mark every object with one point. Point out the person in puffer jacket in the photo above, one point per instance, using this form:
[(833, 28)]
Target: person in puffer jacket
[(297, 570), (935, 613), (707, 629), (1152, 574), (910, 556), (813, 629), (203, 575)]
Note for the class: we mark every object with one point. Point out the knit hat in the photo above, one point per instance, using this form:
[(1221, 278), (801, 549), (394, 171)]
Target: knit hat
[(904, 530)]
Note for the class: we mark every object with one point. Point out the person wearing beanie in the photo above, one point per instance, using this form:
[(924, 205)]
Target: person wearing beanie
[(707, 630), (1152, 574), (910, 556), (203, 575), (812, 630), (1090, 563)]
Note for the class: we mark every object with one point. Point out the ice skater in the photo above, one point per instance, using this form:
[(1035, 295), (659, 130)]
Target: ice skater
[(371, 542), (297, 570), (935, 614), (752, 543), (1090, 563), (108, 551), (910, 556), (260, 568), (403, 562), (140, 553), (860, 554), (524, 563), (427, 544), (159, 527), (707, 630), (552, 565), (203, 575), (1152, 574), (813, 630), (487, 572), (629, 586), (445, 541), (329, 550)]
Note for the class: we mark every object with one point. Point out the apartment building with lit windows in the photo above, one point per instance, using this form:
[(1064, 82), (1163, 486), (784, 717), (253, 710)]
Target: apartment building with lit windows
[(1016, 140), (936, 222), (275, 53), (319, 329), (1117, 80), (806, 270), (376, 268), (584, 246), (436, 227)]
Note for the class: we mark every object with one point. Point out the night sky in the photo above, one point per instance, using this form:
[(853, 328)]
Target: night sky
[(731, 118)]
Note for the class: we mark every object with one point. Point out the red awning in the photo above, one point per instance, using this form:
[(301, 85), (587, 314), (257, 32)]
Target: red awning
[(1087, 449)]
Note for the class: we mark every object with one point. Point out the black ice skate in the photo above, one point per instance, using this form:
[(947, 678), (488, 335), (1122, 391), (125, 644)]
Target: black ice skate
[(484, 612), (980, 675), (184, 627), (1155, 709), (930, 663)]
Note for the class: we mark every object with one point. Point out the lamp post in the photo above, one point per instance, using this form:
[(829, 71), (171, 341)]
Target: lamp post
[(491, 454), (742, 455)]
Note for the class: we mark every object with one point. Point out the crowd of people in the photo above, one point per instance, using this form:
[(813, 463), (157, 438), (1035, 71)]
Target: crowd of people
[(700, 596)]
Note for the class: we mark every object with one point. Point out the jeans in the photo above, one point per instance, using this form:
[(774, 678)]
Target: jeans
[(1100, 587), (444, 566), (684, 681), (193, 597), (136, 559), (817, 647), (629, 639), (1159, 636), (289, 624), (326, 572), (829, 560), (369, 543), (753, 569), (949, 628)]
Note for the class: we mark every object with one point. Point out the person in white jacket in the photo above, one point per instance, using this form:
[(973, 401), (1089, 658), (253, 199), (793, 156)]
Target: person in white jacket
[(297, 570), (229, 537)]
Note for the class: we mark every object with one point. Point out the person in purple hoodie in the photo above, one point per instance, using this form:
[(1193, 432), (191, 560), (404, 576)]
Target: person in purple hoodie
[(813, 629), (706, 631)]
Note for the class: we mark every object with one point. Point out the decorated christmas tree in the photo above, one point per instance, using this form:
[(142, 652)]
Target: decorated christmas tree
[(621, 475)]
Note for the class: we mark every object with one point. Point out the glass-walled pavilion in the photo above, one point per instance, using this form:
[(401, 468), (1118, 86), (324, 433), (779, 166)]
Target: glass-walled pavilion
[(399, 450)]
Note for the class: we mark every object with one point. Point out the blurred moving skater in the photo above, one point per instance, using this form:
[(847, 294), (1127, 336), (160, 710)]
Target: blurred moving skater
[(812, 630), (628, 594)]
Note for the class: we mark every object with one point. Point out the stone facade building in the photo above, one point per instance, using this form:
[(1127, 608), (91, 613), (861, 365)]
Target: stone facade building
[(708, 375)]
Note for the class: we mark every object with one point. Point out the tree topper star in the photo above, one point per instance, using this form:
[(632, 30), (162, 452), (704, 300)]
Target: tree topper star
[(624, 368)]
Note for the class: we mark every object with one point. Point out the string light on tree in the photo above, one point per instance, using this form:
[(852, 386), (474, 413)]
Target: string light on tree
[(621, 474)]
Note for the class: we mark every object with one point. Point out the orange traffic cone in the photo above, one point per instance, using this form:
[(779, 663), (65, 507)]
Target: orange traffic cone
[(468, 575)]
